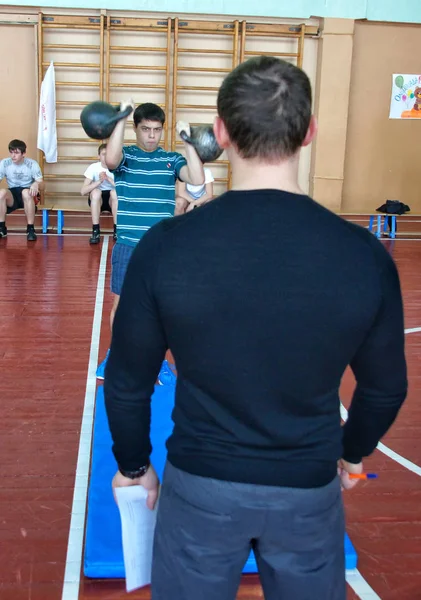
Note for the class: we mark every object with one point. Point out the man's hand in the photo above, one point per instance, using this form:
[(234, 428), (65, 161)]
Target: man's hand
[(126, 103), (197, 203), (149, 481), (102, 176), (344, 469), (34, 189), (183, 126)]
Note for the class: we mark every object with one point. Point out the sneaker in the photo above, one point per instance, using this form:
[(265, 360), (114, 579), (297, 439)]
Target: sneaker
[(31, 236), (100, 372), (95, 237), (166, 375), (3, 232)]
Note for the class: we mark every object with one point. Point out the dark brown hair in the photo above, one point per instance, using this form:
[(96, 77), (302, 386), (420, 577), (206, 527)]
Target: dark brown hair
[(17, 145), (149, 112), (265, 104)]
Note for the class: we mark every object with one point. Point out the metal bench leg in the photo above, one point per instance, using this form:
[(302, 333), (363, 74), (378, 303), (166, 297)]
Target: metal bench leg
[(45, 219), (60, 221), (393, 230), (379, 226), (370, 224)]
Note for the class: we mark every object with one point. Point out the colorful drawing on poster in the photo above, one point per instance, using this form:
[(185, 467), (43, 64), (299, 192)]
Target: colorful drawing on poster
[(405, 102)]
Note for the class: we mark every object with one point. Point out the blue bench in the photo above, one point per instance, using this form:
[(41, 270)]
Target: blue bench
[(379, 216), (372, 216), (45, 217), (375, 216), (60, 210)]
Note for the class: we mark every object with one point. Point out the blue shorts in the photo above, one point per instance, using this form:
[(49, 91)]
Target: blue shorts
[(119, 262)]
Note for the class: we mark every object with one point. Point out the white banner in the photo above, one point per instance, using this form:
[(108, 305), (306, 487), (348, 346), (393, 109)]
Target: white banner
[(405, 102), (47, 132)]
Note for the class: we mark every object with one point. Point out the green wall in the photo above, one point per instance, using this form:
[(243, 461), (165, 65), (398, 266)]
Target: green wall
[(375, 10)]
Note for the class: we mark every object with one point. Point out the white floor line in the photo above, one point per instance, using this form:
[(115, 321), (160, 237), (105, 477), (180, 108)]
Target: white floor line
[(360, 586), (385, 449), (413, 330), (388, 451), (354, 577), (77, 522)]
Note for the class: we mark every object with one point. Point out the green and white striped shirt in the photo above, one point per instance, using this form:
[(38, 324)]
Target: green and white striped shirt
[(145, 186)]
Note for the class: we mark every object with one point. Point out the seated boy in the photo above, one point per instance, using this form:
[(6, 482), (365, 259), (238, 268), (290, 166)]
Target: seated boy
[(99, 185), (24, 181), (191, 196)]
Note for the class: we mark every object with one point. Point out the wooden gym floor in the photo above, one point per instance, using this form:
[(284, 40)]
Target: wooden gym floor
[(51, 317)]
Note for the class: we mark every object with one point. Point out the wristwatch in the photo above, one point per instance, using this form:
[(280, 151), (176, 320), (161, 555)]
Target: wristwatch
[(135, 474)]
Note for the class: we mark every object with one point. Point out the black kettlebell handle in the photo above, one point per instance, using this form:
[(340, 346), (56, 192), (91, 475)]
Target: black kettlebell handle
[(185, 137), (121, 114)]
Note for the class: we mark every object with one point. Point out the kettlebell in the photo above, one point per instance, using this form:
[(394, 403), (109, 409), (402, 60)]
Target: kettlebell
[(203, 139), (100, 118)]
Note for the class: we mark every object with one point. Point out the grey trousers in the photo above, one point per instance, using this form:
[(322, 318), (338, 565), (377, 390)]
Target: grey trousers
[(206, 528)]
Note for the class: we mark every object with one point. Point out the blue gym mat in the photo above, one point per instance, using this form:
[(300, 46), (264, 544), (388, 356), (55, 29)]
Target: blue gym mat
[(103, 549)]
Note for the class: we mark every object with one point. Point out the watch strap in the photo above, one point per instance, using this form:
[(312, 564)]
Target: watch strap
[(135, 474)]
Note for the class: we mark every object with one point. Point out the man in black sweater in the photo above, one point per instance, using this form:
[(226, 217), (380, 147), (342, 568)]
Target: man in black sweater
[(264, 297)]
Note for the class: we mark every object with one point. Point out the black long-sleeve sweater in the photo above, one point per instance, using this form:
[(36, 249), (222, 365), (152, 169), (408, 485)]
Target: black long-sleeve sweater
[(264, 298)]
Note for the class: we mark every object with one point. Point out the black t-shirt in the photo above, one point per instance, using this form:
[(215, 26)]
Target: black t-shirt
[(264, 298)]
